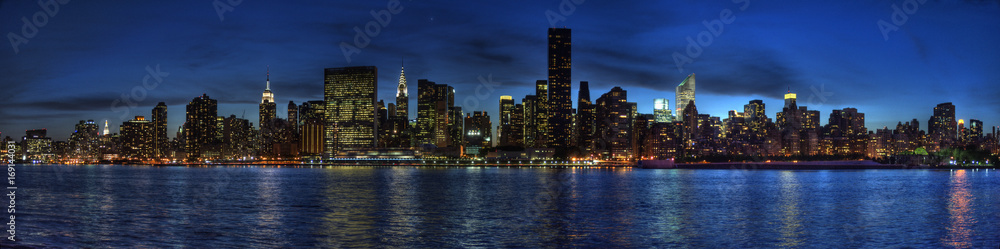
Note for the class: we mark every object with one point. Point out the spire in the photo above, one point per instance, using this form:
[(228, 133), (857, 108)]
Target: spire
[(268, 96), (106, 131), (401, 88)]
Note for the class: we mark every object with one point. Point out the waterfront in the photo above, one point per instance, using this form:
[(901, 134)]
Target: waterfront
[(136, 206)]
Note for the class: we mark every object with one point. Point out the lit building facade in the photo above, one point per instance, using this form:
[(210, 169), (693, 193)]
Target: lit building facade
[(942, 126), (684, 94), (433, 104), (138, 138), (614, 117), (661, 111), (200, 127), (350, 94), (505, 127)]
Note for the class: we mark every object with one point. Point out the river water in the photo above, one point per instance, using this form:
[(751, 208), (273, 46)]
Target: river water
[(239, 207)]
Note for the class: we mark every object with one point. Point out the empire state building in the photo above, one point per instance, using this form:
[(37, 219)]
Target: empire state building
[(267, 106)]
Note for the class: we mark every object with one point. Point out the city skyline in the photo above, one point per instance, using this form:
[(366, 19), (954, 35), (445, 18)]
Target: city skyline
[(858, 83)]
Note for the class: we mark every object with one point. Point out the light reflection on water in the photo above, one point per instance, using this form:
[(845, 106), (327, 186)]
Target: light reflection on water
[(960, 208), (116, 206), (791, 228)]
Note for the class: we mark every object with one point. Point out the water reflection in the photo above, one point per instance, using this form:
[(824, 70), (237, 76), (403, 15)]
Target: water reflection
[(960, 212), (367, 207), (791, 223), (269, 216)]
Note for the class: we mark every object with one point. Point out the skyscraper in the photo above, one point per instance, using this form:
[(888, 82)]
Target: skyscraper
[(585, 119), (506, 114), (684, 94), (160, 130), (402, 97), (517, 126), (200, 126), (942, 126), (560, 103), (293, 116), (975, 129), (268, 109), (790, 101), (268, 113), (84, 141), (434, 102), (661, 111), (350, 94), (311, 133), (531, 131), (478, 130), (690, 117), (456, 127), (614, 118), (542, 129), (138, 138), (755, 119), (237, 135)]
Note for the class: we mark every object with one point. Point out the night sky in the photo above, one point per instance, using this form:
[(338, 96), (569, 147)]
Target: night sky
[(832, 53)]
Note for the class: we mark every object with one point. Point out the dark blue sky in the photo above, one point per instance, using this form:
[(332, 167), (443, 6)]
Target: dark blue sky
[(90, 53)]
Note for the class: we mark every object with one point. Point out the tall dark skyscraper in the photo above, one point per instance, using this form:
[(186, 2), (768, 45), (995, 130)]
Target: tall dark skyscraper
[(456, 127), (351, 94), (531, 131), (613, 136), (293, 116), (160, 130), (585, 119), (560, 102), (200, 126), (517, 126)]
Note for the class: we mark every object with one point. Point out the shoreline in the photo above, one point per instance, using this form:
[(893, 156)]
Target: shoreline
[(808, 165)]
